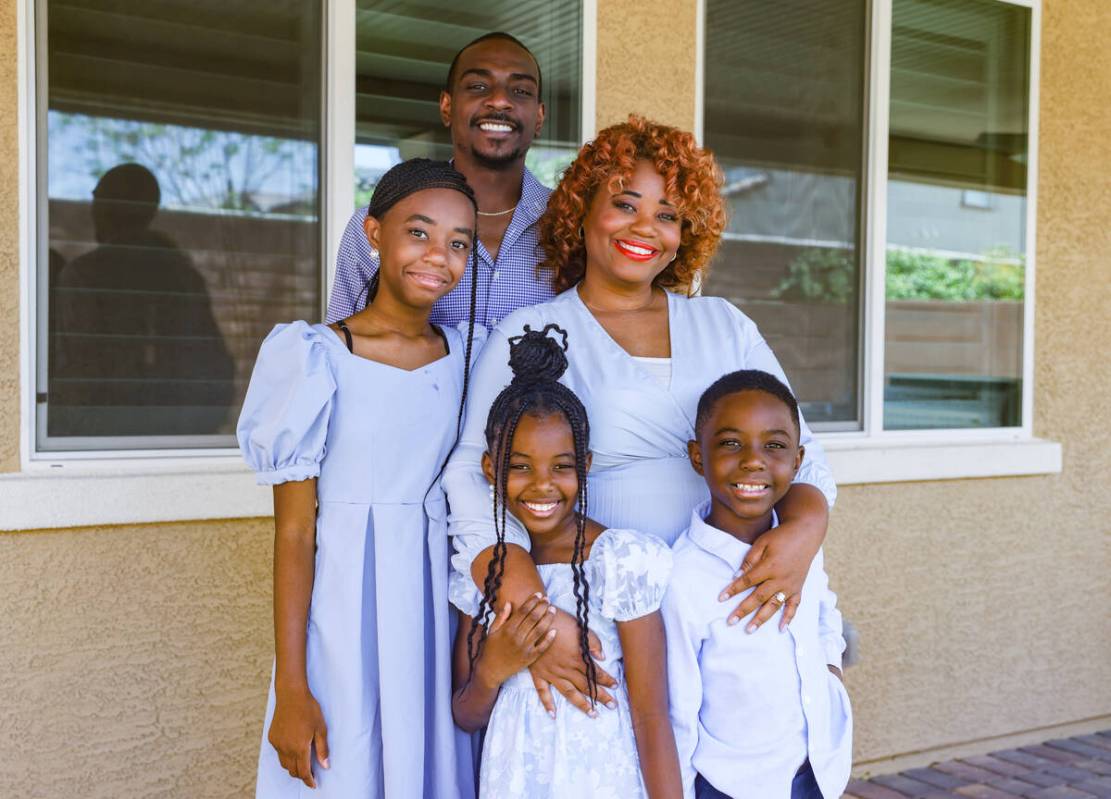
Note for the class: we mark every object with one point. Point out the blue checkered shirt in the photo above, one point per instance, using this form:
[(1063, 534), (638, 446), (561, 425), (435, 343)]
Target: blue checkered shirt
[(503, 286)]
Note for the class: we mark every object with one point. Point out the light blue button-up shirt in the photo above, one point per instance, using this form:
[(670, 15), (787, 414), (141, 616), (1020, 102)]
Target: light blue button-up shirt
[(750, 709)]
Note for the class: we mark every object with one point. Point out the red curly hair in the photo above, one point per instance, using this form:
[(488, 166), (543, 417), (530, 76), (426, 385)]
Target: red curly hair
[(691, 175)]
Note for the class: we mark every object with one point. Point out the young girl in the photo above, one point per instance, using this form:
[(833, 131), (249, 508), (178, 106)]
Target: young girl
[(350, 424), (613, 580)]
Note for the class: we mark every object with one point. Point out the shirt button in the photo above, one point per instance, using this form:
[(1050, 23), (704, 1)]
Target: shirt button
[(806, 699), (494, 321), (495, 274), (800, 651)]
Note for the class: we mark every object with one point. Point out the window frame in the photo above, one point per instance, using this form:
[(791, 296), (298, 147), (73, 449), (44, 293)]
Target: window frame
[(872, 454), (337, 200)]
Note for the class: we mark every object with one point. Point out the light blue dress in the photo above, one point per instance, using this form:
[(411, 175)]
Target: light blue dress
[(378, 647), (526, 753), (641, 477)]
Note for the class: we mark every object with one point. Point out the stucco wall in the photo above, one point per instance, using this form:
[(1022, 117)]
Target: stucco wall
[(9, 242), (134, 659), (646, 61)]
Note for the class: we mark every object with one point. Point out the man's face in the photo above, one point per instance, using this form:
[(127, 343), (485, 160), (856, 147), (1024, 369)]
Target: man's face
[(494, 107)]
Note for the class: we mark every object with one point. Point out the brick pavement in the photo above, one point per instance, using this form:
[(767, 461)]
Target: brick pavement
[(1066, 768)]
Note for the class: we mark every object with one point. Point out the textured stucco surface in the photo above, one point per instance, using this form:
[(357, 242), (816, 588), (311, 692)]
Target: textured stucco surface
[(9, 242), (646, 61), (135, 660), (983, 604)]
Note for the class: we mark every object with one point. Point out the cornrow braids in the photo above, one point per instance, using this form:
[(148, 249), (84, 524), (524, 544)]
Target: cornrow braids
[(409, 177), (537, 361)]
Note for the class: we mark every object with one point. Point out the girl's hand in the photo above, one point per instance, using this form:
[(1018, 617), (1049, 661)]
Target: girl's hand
[(778, 561), (298, 726), (517, 638)]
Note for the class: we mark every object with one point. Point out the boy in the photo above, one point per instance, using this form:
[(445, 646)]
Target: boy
[(762, 714)]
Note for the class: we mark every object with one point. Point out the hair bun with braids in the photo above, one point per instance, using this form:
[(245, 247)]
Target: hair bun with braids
[(535, 356)]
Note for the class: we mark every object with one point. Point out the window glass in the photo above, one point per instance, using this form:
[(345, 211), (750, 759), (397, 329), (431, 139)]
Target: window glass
[(784, 111), (181, 170), (956, 214), (403, 51)]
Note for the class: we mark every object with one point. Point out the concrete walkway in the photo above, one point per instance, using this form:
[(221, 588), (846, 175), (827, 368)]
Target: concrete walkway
[(1067, 768)]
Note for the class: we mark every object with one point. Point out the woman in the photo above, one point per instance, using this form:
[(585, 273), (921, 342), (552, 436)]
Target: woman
[(632, 225)]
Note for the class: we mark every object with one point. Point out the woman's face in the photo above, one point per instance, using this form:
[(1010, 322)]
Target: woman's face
[(631, 235), (423, 243)]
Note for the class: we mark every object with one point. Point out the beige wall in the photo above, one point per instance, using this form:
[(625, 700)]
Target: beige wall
[(134, 659), (9, 243)]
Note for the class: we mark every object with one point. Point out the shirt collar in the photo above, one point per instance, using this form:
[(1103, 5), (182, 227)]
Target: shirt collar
[(718, 542)]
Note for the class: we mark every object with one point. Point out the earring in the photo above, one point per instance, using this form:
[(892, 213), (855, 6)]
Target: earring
[(582, 233)]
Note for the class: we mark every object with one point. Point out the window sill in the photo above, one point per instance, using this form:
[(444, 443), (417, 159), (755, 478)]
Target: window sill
[(136, 491), (857, 460)]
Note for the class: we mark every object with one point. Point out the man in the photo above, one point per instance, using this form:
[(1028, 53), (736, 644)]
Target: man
[(491, 103)]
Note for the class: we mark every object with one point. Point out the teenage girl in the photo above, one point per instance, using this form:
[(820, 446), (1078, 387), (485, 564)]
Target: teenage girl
[(613, 580), (350, 424)]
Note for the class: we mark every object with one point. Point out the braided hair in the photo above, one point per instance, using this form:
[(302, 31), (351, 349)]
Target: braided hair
[(537, 361), (409, 177)]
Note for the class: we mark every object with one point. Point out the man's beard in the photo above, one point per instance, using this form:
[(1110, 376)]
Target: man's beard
[(500, 161)]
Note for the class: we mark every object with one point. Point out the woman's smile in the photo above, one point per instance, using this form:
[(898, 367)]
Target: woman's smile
[(635, 250)]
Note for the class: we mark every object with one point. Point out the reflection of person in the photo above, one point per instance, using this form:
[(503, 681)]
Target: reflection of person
[(139, 352), (634, 220), (491, 104), (537, 459), (746, 447), (350, 424)]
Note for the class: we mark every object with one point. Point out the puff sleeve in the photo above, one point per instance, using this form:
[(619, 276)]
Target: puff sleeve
[(632, 573), (284, 422)]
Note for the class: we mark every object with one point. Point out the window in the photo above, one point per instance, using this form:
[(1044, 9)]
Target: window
[(784, 110), (179, 158), (184, 168), (876, 158)]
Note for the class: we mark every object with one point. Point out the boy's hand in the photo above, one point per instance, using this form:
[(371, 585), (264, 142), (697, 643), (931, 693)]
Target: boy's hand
[(297, 727), (517, 638)]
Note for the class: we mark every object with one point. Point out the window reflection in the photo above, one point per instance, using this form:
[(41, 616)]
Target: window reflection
[(956, 214), (183, 212), (784, 115)]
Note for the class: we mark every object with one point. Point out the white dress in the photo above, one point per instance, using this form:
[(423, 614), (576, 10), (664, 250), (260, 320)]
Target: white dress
[(529, 754)]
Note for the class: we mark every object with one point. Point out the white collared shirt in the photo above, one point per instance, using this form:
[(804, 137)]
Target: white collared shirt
[(750, 709)]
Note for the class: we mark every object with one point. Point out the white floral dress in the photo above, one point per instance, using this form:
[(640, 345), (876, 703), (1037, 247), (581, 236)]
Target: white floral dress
[(529, 754)]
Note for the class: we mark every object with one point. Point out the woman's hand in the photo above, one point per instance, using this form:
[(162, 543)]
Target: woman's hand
[(780, 559), (517, 638), (298, 726), (561, 665)]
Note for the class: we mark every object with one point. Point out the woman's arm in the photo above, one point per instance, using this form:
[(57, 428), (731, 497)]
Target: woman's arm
[(780, 559), (514, 641), (644, 645), (298, 724)]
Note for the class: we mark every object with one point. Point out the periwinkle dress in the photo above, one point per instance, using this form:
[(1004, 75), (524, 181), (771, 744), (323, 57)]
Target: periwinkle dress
[(378, 647), (641, 477)]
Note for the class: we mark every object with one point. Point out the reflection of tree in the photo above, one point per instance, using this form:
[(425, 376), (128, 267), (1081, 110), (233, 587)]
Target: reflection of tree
[(197, 167)]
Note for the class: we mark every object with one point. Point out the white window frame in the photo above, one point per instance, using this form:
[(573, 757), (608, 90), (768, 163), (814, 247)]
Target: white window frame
[(872, 454), (98, 487)]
